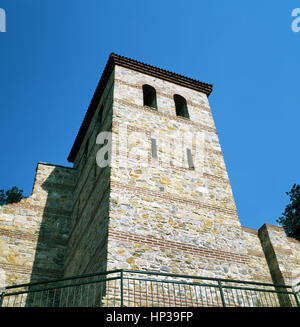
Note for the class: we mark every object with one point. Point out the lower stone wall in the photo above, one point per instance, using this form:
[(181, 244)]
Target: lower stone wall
[(156, 232), (34, 232), (142, 252), (257, 259), (282, 254)]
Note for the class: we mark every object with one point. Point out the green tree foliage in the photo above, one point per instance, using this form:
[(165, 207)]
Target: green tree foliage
[(11, 196), (290, 219)]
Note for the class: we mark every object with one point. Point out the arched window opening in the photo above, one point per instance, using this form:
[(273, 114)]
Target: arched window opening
[(149, 94), (181, 106)]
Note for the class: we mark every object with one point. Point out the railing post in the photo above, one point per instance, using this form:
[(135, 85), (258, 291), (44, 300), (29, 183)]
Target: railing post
[(222, 294), (121, 282), (295, 292), (297, 300), (2, 293)]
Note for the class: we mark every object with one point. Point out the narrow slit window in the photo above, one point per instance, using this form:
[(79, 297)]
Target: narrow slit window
[(149, 94), (153, 148), (190, 158), (181, 106)]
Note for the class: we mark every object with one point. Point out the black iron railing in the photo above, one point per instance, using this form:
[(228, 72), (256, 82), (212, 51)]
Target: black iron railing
[(132, 288)]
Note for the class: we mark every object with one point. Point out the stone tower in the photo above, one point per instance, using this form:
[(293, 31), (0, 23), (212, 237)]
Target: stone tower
[(164, 203), (148, 190)]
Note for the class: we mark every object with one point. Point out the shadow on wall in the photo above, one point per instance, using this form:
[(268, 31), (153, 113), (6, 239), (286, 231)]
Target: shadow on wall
[(72, 239)]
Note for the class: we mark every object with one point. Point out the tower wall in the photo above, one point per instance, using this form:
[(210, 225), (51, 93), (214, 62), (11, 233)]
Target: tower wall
[(87, 245), (170, 218)]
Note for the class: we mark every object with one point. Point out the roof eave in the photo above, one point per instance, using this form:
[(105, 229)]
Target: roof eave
[(141, 67)]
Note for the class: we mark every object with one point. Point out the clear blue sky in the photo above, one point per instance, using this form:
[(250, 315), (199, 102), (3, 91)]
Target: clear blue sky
[(53, 54)]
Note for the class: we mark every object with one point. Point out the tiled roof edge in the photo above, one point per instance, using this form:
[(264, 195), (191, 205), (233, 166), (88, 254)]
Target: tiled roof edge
[(115, 59)]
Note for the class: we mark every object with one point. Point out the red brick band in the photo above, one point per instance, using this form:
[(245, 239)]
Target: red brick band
[(32, 237), (172, 298), (132, 128), (170, 197), (178, 246), (62, 187), (38, 209), (179, 119), (21, 269)]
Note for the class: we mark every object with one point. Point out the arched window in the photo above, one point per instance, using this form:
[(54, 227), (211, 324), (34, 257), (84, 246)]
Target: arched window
[(181, 106), (149, 94)]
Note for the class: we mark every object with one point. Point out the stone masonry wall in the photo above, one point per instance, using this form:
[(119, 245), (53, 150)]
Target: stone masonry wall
[(282, 254), (34, 232), (170, 218), (87, 245), (257, 259)]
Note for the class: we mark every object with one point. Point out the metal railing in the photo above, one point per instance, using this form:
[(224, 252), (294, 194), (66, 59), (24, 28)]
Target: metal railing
[(130, 288)]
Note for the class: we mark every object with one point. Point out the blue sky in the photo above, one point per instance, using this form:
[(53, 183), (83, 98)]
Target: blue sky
[(53, 54)]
